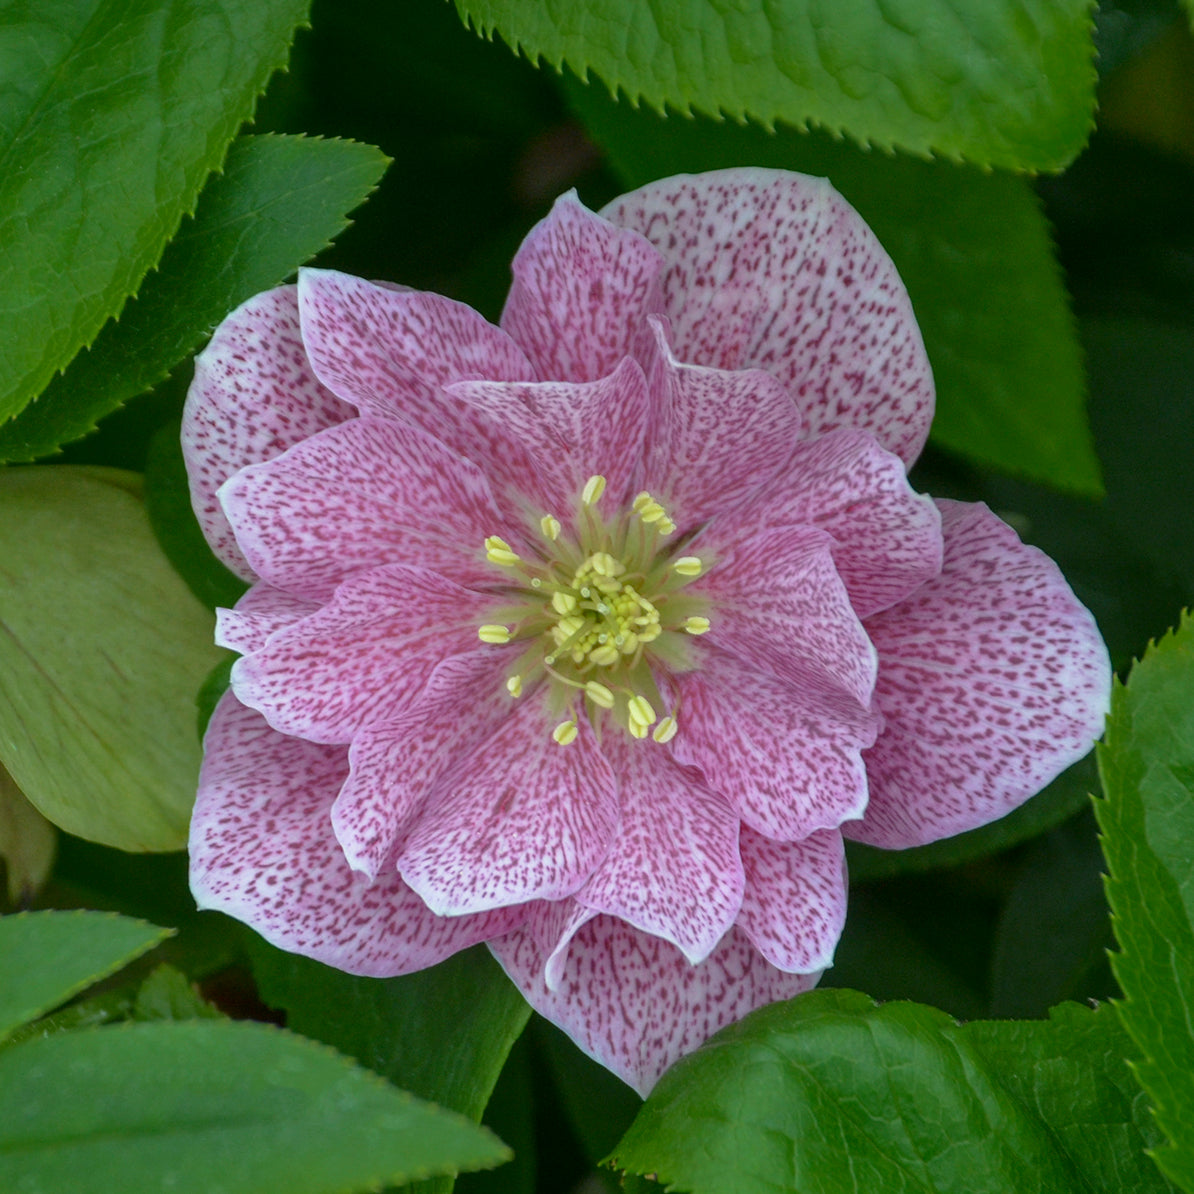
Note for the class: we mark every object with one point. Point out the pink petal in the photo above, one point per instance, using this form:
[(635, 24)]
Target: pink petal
[(573, 430), (788, 760), (580, 293), (634, 1003), (395, 765), (520, 818), (779, 605), (366, 493), (260, 612), (362, 658), (992, 680), (253, 396), (772, 270), (262, 850), (794, 906), (673, 868), (887, 537), (390, 352), (721, 435)]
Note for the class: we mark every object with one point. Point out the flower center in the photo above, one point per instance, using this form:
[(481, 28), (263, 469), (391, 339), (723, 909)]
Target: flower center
[(596, 610)]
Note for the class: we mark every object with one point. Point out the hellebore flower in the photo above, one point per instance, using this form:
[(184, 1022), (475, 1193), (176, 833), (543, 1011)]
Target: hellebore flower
[(589, 635)]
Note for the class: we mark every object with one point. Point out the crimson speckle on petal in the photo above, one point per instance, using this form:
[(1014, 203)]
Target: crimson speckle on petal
[(589, 635)]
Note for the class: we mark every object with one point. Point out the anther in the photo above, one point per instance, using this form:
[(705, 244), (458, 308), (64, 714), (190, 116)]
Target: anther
[(599, 694), (563, 603), (550, 527), (604, 655), (514, 686), (498, 551), (687, 566), (696, 625), (665, 731), (594, 488), (665, 526), (640, 711), (565, 732), (491, 633), (637, 729)]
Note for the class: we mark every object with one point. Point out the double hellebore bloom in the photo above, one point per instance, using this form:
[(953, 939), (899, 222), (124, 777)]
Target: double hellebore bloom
[(588, 636)]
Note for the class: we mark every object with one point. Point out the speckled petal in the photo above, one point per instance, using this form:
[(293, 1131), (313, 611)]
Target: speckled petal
[(772, 270), (362, 658), (253, 396), (262, 850), (394, 765), (580, 293), (573, 430), (719, 436), (365, 493), (261, 611), (794, 905), (673, 868), (779, 605), (788, 760), (886, 536), (992, 680), (520, 818), (634, 1003)]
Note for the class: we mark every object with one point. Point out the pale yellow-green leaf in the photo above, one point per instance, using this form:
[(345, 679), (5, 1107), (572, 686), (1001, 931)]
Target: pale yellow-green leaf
[(27, 842), (102, 648)]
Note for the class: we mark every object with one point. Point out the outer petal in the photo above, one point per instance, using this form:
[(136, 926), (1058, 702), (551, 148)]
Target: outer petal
[(262, 850), (573, 430), (395, 765), (633, 1002), (360, 660), (253, 396), (261, 611), (365, 493), (520, 818), (795, 902), (788, 760), (673, 869), (774, 270), (581, 291), (779, 605), (721, 435), (886, 536), (992, 680)]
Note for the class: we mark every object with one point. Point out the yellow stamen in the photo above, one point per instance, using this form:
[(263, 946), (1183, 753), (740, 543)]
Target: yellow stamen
[(498, 551), (604, 655), (687, 566), (491, 633), (696, 625), (665, 526), (640, 710), (665, 731), (599, 694), (594, 488), (563, 603), (637, 729), (550, 527), (514, 686), (565, 732)]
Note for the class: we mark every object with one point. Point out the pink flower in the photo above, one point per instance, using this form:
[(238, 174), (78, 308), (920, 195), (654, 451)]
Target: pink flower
[(588, 636)]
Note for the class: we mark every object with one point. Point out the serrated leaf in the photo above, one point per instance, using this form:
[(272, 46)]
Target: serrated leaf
[(442, 1033), (990, 81), (102, 649), (112, 116), (278, 201), (832, 1093), (106, 1109), (975, 253), (48, 957), (1147, 819), (167, 994)]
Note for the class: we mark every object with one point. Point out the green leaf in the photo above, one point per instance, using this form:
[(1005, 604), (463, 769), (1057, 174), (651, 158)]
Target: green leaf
[(1066, 795), (833, 1093), (113, 116), (1147, 819), (997, 83), (167, 994), (47, 957), (210, 1105), (278, 202), (101, 652), (28, 843), (973, 250), (442, 1033)]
